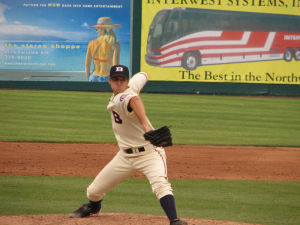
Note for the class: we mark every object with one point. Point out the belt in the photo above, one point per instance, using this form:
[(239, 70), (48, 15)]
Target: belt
[(130, 150)]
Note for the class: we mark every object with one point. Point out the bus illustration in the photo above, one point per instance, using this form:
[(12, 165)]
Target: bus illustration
[(191, 37)]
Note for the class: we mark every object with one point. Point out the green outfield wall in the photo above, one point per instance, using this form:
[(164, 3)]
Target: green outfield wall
[(166, 87)]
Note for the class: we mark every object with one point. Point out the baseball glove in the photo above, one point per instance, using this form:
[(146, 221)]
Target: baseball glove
[(160, 137)]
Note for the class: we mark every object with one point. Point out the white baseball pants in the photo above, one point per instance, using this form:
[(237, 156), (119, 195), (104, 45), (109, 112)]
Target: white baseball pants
[(152, 163)]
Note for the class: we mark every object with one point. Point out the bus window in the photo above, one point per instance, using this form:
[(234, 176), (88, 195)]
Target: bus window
[(157, 31), (171, 30), (191, 22), (185, 26)]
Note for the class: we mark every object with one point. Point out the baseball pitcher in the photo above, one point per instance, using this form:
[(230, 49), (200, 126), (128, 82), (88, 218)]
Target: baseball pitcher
[(140, 147)]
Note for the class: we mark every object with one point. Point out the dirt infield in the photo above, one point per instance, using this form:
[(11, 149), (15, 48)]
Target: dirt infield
[(103, 219), (184, 162)]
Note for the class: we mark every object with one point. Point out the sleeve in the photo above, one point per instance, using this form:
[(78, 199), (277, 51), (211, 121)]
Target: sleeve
[(138, 81)]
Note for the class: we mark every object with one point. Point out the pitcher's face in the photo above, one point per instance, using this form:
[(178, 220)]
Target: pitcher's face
[(118, 84)]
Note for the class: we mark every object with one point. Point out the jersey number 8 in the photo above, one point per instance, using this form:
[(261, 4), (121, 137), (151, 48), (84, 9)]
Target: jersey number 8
[(117, 117)]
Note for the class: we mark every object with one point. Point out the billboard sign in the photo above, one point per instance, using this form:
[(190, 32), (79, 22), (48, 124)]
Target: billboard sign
[(48, 40), (224, 41)]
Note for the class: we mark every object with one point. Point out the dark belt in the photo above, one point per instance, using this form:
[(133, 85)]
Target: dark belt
[(130, 150)]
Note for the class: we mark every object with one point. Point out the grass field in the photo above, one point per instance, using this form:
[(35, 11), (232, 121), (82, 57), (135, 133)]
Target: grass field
[(260, 202), (60, 116)]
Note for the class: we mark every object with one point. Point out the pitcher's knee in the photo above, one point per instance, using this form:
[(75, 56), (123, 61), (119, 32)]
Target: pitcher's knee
[(162, 188), (94, 194)]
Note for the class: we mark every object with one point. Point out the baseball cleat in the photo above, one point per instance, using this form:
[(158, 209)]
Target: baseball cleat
[(178, 222), (84, 211)]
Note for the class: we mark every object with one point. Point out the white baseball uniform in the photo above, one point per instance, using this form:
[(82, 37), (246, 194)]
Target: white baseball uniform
[(135, 154)]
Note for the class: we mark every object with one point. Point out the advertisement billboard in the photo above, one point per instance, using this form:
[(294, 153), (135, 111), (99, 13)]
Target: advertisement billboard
[(221, 41), (65, 40)]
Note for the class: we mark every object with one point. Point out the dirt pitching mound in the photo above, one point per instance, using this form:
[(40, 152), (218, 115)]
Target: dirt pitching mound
[(103, 219)]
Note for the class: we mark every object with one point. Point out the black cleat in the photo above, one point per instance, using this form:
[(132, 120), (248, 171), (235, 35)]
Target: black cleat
[(178, 222), (85, 210)]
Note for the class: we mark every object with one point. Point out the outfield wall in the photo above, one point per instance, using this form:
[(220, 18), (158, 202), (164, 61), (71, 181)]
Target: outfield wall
[(165, 87), (165, 80)]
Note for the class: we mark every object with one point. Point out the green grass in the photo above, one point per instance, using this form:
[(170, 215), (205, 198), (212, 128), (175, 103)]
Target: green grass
[(61, 116), (260, 202)]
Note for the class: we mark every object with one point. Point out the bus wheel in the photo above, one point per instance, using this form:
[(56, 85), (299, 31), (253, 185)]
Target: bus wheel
[(297, 54), (190, 60), (288, 54)]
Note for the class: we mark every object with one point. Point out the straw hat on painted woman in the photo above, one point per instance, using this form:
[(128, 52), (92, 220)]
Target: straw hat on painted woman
[(106, 22)]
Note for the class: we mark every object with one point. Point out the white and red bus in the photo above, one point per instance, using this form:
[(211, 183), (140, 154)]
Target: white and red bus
[(190, 37)]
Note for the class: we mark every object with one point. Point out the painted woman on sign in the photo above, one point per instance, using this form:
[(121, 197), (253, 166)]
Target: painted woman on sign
[(103, 51)]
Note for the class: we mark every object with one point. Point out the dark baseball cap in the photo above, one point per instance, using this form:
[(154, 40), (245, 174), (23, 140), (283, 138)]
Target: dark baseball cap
[(119, 70)]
